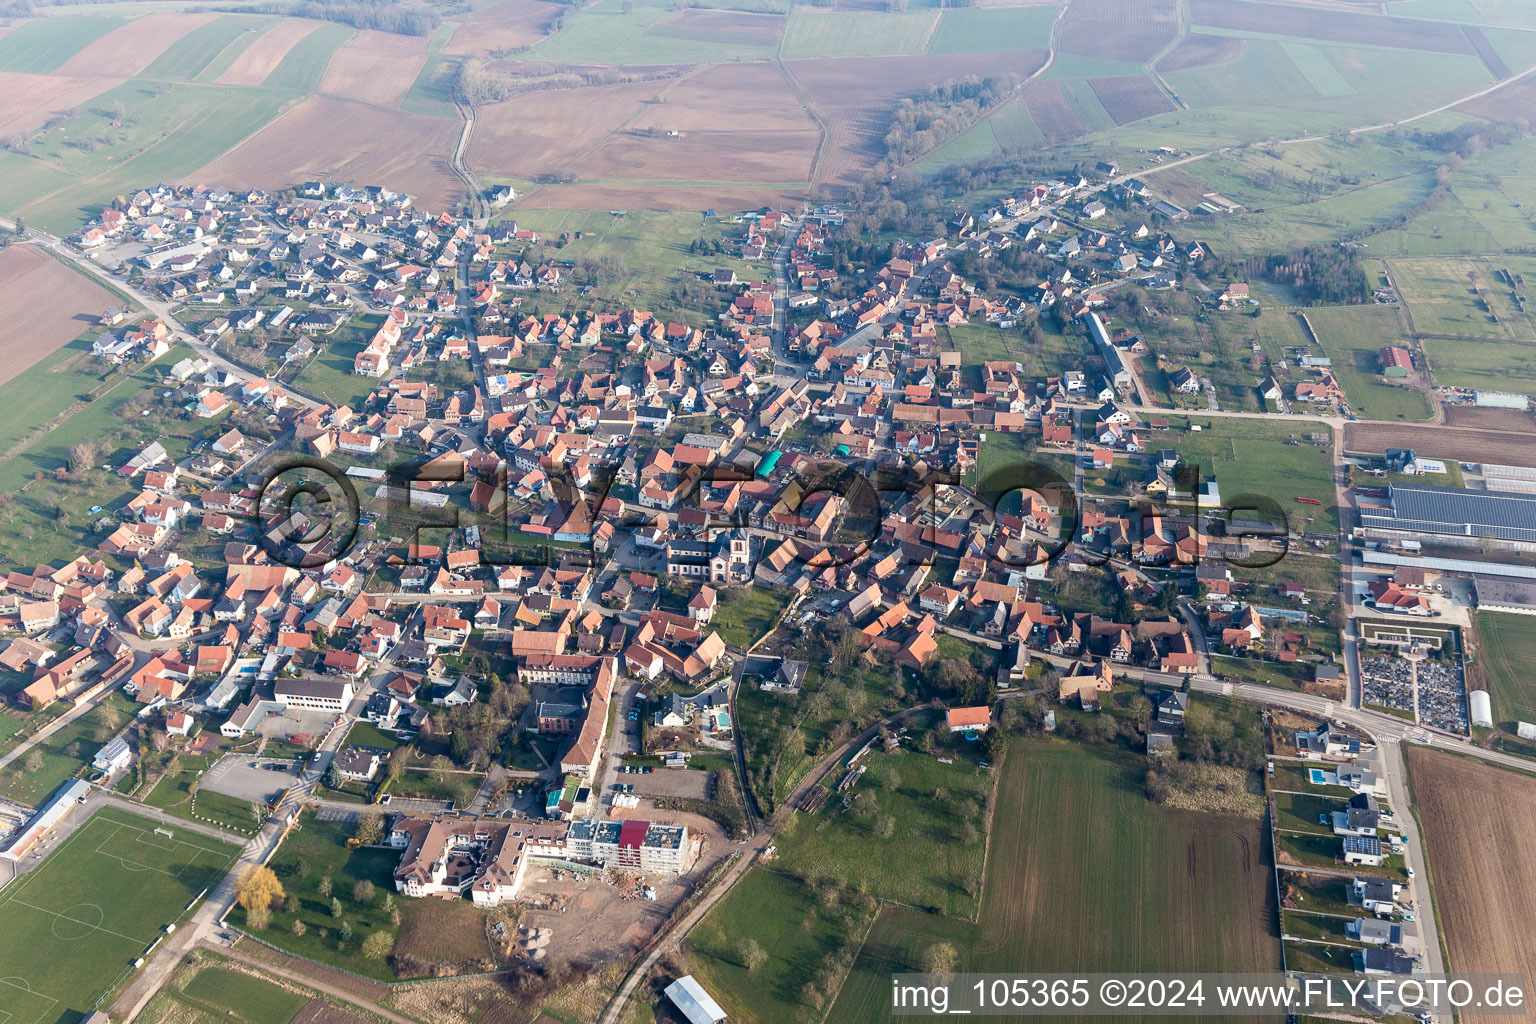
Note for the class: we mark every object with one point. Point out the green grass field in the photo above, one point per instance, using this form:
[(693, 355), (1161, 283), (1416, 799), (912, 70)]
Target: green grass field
[(64, 753), (802, 935), (607, 33), (190, 55), (71, 929), (242, 997), (930, 855), (41, 45), (812, 33), (316, 851), (1352, 336), (1508, 651), (302, 68), (166, 133), (1443, 296), (984, 30), (1252, 457), (1493, 365), (1083, 874), (746, 613)]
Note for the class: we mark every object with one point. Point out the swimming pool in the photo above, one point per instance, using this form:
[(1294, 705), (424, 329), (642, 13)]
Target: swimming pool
[(1319, 777)]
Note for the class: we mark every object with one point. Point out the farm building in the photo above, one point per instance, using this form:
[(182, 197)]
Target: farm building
[(693, 1002), (1496, 595), (1501, 400), (1482, 708), (1448, 511), (1395, 362)]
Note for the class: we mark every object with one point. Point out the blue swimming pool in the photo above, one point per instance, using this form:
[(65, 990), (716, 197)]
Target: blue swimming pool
[(1319, 777)]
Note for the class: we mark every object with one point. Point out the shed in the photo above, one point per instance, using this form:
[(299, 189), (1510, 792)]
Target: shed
[(693, 1002), (1482, 708)]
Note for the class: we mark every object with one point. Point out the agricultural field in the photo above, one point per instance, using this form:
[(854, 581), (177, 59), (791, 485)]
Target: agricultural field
[(71, 929), (1493, 365), (305, 61), (375, 67), (935, 853), (196, 50), (502, 26), (988, 29), (129, 50), (336, 140), (43, 45), (1105, 28), (261, 56), (1508, 649), (1131, 98), (1468, 445), (1198, 50), (47, 304), (139, 131), (1481, 902), (623, 34), (1449, 298), (1331, 25), (1352, 336), (1183, 890), (814, 33)]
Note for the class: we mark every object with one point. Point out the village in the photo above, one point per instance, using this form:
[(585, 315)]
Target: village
[(511, 598)]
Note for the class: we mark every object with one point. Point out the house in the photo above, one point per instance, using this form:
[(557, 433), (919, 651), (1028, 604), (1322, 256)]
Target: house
[(1384, 961), (1378, 895), (1171, 707), (968, 719), (1362, 817), (454, 695), (179, 724), (1374, 932), (112, 757), (1364, 850), (356, 765)]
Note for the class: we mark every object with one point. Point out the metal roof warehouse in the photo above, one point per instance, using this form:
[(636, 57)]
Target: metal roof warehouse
[(1449, 511)]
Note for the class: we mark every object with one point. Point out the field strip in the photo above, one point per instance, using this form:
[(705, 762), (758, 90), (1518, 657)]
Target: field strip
[(60, 915)]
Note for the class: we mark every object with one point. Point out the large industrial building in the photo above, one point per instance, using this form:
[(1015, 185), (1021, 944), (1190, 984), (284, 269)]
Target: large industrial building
[(1451, 512)]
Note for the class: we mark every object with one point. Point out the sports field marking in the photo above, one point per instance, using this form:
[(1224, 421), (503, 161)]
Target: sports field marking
[(94, 928), (38, 999)]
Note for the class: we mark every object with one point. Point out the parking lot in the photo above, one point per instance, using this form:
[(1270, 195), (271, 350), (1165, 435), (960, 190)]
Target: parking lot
[(682, 783), (254, 779)]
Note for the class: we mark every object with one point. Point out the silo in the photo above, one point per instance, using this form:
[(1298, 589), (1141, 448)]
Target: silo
[(1482, 708)]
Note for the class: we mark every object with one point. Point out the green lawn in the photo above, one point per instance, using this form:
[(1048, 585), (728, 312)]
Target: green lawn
[(1300, 812), (329, 374), (1083, 874), (314, 851), (366, 734), (746, 613), (934, 848), (1508, 652), (71, 929), (1251, 457), (41, 45)]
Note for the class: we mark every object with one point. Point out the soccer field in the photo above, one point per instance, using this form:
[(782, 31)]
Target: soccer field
[(71, 929)]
